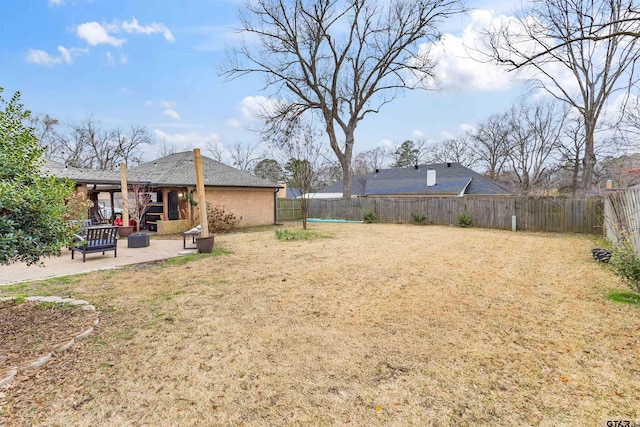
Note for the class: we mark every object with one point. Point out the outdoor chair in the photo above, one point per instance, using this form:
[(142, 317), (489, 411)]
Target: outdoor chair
[(96, 239)]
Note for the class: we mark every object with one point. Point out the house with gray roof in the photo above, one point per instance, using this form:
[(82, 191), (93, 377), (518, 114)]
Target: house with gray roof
[(172, 181), (440, 179)]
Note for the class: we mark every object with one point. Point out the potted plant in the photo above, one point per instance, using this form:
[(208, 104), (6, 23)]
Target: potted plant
[(205, 244), (142, 199)]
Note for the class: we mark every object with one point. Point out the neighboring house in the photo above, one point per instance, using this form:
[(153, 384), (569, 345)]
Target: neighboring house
[(441, 179), (173, 180)]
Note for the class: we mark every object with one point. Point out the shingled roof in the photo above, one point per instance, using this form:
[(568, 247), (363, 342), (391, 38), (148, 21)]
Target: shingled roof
[(451, 179), (178, 170), (80, 175)]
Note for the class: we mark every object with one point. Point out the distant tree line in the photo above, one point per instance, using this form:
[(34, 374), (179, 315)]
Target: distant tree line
[(535, 148)]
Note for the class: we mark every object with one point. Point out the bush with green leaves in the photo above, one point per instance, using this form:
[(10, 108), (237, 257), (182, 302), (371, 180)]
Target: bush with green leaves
[(369, 217), (419, 218), (626, 264), (464, 219), (32, 207)]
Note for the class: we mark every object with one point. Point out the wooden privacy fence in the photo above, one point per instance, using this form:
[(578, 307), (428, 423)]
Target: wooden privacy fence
[(622, 216), (553, 214)]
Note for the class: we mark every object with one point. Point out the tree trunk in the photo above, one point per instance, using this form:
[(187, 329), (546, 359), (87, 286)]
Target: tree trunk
[(346, 160), (304, 208), (589, 159), (575, 173)]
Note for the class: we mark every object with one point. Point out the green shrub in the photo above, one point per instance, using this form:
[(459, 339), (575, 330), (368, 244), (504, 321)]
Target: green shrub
[(419, 218), (464, 219), (369, 217), (626, 264)]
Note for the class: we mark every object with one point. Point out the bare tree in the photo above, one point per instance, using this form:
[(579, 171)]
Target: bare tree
[(631, 125), (167, 149), (44, 128), (534, 137), (127, 146), (585, 39), (623, 169), (328, 170), (570, 151), (140, 199), (245, 157), (342, 60), (216, 150), (454, 150), (489, 144), (369, 161), (303, 155), (87, 145)]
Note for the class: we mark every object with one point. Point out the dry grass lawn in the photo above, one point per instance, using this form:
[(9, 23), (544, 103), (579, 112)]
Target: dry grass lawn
[(385, 325)]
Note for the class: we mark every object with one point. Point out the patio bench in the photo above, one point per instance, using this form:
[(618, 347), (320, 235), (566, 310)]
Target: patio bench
[(96, 239), (194, 232)]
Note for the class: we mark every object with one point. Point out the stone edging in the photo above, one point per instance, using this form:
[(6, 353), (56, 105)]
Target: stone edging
[(44, 359)]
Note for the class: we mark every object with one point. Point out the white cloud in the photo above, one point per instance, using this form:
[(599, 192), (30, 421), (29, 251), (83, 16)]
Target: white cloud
[(387, 145), (187, 140), (65, 54), (460, 64), (234, 123), (167, 104), (463, 129), (149, 103), (153, 28), (95, 34), (53, 3), (466, 128), (40, 57), (171, 113), (254, 108), (417, 133)]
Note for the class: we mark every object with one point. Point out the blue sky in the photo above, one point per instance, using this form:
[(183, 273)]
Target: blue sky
[(156, 63)]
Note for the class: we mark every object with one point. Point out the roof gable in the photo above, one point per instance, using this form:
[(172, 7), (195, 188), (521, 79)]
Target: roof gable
[(179, 170)]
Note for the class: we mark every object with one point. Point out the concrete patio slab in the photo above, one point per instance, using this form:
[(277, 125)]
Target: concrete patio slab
[(63, 265)]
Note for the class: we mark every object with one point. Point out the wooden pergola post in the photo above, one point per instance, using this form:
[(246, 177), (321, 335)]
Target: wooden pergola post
[(125, 194), (202, 200)]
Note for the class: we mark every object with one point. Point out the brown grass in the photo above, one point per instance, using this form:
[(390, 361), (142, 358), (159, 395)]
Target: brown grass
[(368, 325)]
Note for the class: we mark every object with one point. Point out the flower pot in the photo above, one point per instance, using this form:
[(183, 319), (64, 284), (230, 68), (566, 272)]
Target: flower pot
[(124, 231), (204, 244), (138, 240)]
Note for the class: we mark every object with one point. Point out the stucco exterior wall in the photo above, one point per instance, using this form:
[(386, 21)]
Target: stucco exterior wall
[(254, 205)]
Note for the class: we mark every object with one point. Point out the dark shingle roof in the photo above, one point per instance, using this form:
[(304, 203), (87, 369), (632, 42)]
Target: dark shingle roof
[(179, 170), (451, 179), (80, 175)]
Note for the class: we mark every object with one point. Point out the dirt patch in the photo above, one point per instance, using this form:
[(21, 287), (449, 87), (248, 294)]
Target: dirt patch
[(366, 325), (30, 330)]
